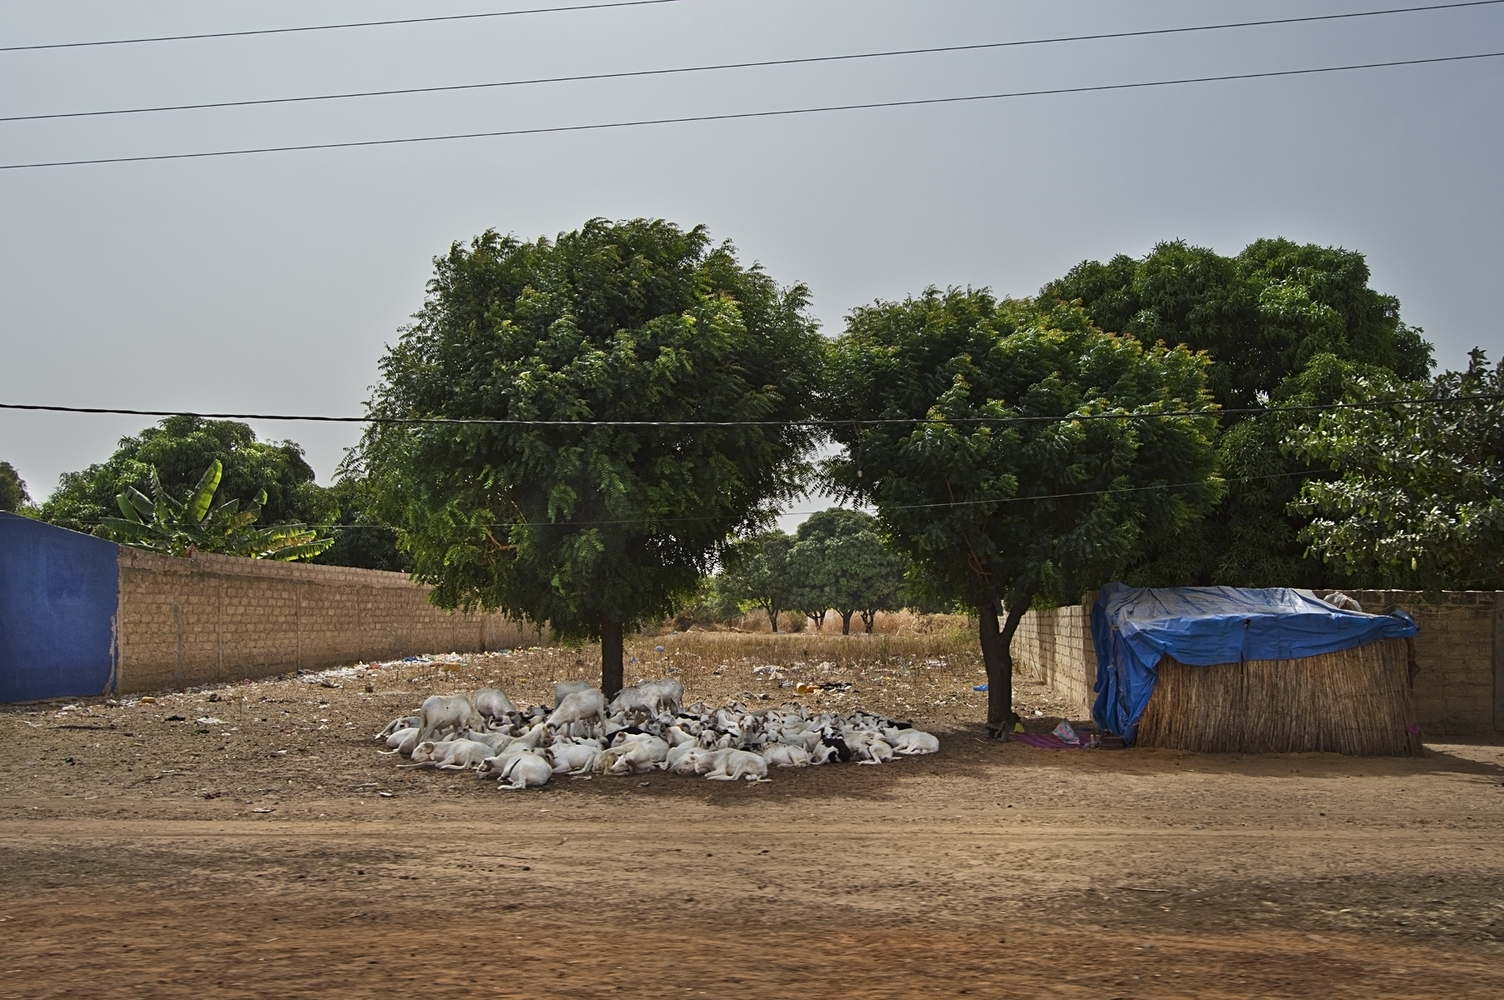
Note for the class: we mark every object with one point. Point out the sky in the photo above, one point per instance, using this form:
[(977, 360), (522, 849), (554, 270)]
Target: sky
[(273, 282)]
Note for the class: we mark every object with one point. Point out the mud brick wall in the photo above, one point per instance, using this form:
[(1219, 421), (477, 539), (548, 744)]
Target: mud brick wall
[(1054, 648), (205, 618), (1460, 655), (1459, 686)]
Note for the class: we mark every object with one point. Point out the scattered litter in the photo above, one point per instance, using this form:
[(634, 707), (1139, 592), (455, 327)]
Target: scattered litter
[(263, 809), (212, 795), (209, 720), (148, 700), (176, 718), (1067, 734), (385, 795), (980, 687)]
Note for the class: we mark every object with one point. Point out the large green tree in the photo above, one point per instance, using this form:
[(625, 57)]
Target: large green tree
[(180, 449), (1262, 315), (1015, 452), (1416, 495), (839, 561), (591, 527)]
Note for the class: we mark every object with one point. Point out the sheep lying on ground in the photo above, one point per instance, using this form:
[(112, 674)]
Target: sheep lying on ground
[(644, 729)]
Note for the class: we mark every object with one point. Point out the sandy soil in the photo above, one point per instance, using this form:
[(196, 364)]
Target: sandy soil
[(134, 860)]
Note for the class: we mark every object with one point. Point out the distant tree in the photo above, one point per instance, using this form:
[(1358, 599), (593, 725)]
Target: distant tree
[(360, 538), (756, 573), (180, 449), (996, 501), (1262, 315), (13, 495), (176, 525), (591, 529), (838, 561), (1416, 496)]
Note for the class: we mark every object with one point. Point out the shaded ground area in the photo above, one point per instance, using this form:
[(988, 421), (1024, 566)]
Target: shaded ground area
[(132, 863)]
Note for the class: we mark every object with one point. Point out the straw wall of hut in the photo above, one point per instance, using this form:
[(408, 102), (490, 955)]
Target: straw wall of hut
[(1356, 702)]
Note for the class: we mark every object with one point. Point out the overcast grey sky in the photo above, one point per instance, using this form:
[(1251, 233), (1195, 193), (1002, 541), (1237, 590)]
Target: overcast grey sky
[(271, 282)]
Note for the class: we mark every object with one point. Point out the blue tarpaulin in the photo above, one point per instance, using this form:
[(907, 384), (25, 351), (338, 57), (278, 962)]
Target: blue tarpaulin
[(1133, 627)]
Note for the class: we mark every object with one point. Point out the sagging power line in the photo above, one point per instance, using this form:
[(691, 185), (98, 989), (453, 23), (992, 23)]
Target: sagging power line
[(747, 115), (751, 64), (858, 422), (334, 27)]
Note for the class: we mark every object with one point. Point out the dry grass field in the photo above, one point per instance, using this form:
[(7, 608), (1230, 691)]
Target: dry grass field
[(273, 852)]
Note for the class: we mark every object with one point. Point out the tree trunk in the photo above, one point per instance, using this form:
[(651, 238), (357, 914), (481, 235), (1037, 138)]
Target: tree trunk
[(846, 621), (997, 655), (868, 618), (773, 618), (611, 672)]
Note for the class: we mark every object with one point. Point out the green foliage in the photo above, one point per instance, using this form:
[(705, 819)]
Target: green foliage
[(1417, 499), (1262, 315), (179, 449), (1014, 510), (177, 525), (839, 561), (590, 529), (13, 495), (756, 573), (361, 539), (1018, 510)]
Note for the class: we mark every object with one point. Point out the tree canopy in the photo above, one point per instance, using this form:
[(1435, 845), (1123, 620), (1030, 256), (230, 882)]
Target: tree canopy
[(1262, 315), (990, 503), (1416, 495), (591, 528), (838, 560), (180, 449), (756, 573), (13, 495)]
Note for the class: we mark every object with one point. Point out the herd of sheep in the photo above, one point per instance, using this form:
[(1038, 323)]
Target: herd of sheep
[(646, 727)]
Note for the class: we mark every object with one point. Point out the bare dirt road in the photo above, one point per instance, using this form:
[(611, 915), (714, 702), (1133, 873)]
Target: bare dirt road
[(132, 864)]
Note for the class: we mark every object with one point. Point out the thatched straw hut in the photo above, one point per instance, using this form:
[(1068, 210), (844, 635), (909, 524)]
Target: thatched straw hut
[(1229, 670), (1355, 701)]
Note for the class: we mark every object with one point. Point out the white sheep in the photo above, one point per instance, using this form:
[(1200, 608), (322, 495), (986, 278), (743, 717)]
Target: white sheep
[(736, 765), (783, 755), (588, 705), (452, 711), (493, 703), (563, 689), (911, 741), (573, 758), (525, 770)]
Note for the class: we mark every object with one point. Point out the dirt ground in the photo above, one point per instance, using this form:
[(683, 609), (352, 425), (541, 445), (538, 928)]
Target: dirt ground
[(274, 852)]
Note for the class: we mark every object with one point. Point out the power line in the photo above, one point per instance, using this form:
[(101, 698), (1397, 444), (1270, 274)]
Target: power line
[(859, 422), (334, 27), (803, 513), (740, 115), (757, 64)]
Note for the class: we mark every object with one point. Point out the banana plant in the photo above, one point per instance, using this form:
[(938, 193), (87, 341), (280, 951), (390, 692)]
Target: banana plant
[(163, 523)]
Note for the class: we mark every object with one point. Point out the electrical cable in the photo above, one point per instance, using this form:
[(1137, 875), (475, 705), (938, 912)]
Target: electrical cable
[(812, 422), (802, 513), (715, 67), (743, 115), (334, 27)]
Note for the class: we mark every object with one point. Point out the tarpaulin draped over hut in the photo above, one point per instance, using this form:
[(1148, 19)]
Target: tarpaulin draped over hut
[(1133, 627)]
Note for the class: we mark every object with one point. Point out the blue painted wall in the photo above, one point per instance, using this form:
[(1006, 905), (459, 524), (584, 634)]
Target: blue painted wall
[(59, 591)]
